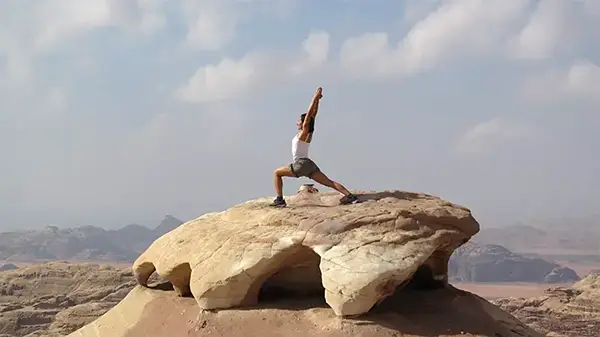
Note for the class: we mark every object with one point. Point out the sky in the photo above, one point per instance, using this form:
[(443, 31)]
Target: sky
[(121, 111)]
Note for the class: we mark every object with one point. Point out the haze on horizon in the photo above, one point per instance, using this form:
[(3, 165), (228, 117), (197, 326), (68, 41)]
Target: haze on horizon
[(118, 112)]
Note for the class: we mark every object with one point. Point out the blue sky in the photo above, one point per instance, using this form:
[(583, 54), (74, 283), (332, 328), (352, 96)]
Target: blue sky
[(117, 112)]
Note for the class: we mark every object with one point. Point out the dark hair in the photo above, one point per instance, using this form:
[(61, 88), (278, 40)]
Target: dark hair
[(311, 123)]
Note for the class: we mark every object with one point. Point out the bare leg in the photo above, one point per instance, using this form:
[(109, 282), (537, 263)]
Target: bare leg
[(322, 179), (278, 174)]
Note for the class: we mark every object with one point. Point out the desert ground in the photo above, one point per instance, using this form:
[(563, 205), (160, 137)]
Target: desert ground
[(492, 291)]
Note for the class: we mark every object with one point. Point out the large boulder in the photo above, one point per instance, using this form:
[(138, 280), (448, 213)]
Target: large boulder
[(357, 255)]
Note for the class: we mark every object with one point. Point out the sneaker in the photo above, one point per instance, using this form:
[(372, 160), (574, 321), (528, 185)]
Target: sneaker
[(278, 202), (349, 199)]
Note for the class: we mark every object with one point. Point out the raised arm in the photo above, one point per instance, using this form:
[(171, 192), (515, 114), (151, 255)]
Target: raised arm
[(306, 133), (313, 108)]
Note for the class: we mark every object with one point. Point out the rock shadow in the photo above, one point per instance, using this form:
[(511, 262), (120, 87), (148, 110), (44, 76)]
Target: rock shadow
[(162, 286), (178, 280), (362, 197), (413, 309)]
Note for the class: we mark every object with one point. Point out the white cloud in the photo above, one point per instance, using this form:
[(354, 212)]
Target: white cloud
[(554, 26), (487, 136), (316, 48), (225, 80), (581, 82), (56, 20), (445, 31), (211, 23), (143, 17), (369, 52), (29, 29), (455, 29), (232, 79)]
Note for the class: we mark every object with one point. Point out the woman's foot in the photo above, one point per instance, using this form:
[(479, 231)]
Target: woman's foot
[(349, 199), (278, 202)]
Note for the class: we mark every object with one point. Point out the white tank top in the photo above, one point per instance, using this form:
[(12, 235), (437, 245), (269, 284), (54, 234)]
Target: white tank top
[(299, 148)]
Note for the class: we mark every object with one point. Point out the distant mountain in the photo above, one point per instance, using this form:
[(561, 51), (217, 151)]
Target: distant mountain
[(168, 224), (8, 266), (82, 243), (494, 263), (547, 238)]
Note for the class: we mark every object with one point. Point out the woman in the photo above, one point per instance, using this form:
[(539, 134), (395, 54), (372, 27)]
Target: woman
[(302, 166)]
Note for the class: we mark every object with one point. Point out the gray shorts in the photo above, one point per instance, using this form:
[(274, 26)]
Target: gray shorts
[(304, 167)]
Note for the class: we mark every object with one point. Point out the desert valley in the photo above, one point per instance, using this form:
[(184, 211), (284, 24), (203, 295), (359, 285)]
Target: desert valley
[(58, 282)]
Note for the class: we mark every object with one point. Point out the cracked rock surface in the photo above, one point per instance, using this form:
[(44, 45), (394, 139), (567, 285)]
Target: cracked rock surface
[(357, 255)]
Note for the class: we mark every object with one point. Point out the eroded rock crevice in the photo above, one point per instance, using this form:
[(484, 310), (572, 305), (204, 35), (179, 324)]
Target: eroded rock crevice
[(298, 277), (180, 279)]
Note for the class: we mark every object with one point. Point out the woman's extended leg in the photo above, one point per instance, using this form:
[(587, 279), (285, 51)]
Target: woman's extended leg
[(322, 179)]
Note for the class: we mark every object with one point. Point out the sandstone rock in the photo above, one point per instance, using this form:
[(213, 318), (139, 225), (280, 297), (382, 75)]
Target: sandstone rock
[(358, 254), (54, 299), (562, 311), (78, 316), (308, 188), (444, 312)]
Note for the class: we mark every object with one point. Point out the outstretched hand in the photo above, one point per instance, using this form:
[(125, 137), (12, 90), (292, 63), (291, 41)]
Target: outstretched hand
[(319, 93)]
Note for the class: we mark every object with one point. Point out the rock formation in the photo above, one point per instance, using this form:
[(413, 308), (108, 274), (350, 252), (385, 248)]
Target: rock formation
[(54, 299), (562, 311), (356, 254), (494, 263)]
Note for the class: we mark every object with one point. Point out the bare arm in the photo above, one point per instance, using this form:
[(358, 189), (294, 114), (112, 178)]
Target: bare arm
[(312, 110), (305, 134)]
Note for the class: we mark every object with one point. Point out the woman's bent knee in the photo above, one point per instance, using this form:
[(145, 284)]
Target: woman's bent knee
[(283, 171)]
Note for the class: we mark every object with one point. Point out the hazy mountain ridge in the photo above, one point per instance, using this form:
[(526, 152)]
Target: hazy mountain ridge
[(82, 243), (576, 236), (474, 262)]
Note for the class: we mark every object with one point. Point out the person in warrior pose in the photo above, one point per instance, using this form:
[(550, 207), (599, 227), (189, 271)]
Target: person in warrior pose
[(302, 166)]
